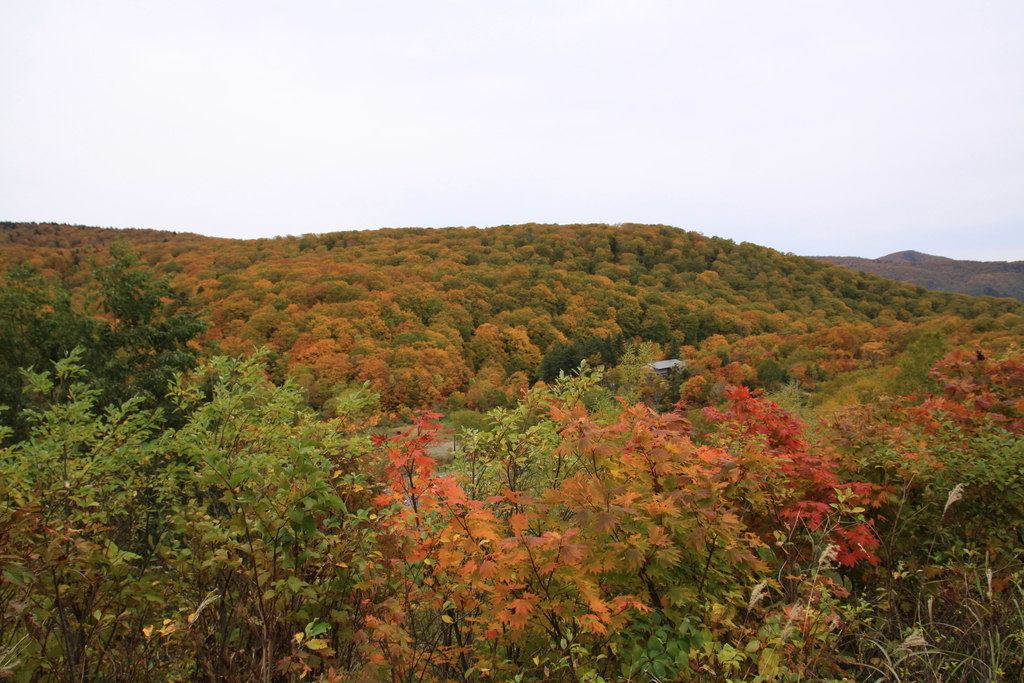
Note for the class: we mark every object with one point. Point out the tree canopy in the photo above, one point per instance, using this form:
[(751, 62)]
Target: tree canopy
[(467, 318)]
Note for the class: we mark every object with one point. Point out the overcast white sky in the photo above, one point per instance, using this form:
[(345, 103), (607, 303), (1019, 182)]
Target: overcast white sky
[(819, 128)]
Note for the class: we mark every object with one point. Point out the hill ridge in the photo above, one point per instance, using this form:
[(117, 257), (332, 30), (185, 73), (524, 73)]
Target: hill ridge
[(940, 273), (469, 317)]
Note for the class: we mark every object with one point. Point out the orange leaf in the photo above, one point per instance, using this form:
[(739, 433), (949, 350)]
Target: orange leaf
[(519, 523)]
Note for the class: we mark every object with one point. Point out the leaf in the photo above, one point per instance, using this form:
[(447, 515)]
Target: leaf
[(633, 557), (593, 623), (571, 553), (605, 522), (317, 629), (521, 613), (519, 523), (522, 605), (18, 575)]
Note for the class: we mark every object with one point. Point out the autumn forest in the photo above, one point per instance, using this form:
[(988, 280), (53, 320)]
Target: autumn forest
[(443, 455)]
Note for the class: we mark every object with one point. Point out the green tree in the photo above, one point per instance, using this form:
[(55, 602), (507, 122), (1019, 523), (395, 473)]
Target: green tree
[(147, 338), (38, 326), (139, 336), (770, 373), (634, 379)]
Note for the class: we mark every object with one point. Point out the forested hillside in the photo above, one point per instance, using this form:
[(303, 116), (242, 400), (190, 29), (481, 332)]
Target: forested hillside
[(468, 318), (215, 462), (977, 278)]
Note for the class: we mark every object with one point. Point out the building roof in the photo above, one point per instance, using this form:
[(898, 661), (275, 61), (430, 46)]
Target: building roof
[(665, 364)]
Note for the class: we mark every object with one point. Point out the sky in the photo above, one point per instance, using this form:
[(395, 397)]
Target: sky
[(817, 128)]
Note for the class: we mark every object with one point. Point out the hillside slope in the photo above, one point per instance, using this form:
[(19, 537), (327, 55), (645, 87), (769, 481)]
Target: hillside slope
[(467, 317), (977, 278)]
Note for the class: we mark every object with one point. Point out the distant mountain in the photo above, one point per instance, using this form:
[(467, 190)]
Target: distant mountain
[(977, 278), (913, 257)]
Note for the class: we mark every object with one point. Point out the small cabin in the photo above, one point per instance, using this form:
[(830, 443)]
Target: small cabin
[(663, 367)]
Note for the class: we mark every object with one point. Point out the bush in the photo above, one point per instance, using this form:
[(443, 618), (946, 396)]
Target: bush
[(135, 553)]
